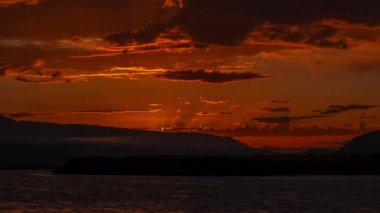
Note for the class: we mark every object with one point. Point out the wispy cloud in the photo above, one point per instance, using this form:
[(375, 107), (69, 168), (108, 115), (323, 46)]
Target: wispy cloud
[(277, 130), (337, 109), (39, 72), (364, 116), (96, 112), (275, 109), (286, 119), (279, 102), (155, 38), (173, 3), (6, 3), (214, 113), (209, 76), (213, 101)]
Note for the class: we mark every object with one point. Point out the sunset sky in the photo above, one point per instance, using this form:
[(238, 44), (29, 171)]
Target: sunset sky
[(292, 74)]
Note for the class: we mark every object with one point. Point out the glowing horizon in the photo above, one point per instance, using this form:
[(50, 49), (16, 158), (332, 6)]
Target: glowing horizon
[(270, 79)]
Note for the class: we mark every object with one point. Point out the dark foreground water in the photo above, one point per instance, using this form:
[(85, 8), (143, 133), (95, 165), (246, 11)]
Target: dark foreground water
[(40, 191)]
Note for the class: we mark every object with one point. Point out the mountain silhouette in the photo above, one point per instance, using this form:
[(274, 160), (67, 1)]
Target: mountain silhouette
[(48, 144), (367, 144), (6, 122), (361, 156)]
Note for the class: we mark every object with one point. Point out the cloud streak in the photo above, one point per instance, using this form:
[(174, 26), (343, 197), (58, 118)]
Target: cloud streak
[(314, 35), (39, 72), (234, 22), (214, 113), (6, 3), (275, 109), (213, 101), (286, 119), (276, 130), (209, 76), (95, 112), (337, 109)]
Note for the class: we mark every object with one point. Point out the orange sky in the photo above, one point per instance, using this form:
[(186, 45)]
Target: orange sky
[(288, 74)]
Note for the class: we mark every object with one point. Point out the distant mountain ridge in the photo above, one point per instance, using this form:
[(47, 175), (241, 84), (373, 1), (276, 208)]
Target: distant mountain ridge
[(48, 145), (361, 156), (367, 144), (26, 142)]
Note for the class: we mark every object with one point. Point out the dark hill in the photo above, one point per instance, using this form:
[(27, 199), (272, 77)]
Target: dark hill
[(367, 144), (6, 122), (47, 144), (361, 156)]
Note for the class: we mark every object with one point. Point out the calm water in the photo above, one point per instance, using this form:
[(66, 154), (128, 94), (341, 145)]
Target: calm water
[(40, 191)]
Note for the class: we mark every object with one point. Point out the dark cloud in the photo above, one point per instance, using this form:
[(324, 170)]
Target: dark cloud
[(26, 114), (156, 37), (284, 129), (279, 102), (222, 22), (291, 11), (230, 22), (286, 119), (34, 72), (315, 35), (336, 109), (214, 113), (113, 111), (276, 109), (3, 70), (146, 35), (97, 112), (26, 80), (209, 76), (364, 116), (216, 22)]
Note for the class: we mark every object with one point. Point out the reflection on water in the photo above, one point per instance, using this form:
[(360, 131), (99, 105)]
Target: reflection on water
[(40, 191)]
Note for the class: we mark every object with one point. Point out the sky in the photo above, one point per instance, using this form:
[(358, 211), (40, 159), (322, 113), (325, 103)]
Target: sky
[(290, 75)]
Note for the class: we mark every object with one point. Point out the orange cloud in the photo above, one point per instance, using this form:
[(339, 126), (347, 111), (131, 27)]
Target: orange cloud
[(40, 72), (6, 3), (212, 101), (169, 40), (173, 3)]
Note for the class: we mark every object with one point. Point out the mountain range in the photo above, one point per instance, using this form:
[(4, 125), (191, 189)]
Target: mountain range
[(49, 145), (367, 144)]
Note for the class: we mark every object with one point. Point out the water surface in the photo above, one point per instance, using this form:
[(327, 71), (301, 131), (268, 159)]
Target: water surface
[(41, 191)]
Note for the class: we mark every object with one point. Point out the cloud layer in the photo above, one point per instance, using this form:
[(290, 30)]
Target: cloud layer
[(231, 22), (5, 3), (337, 109), (209, 76), (285, 119)]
